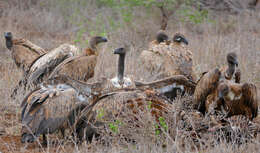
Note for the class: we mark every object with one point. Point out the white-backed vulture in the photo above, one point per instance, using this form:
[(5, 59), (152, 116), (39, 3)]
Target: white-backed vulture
[(238, 99), (208, 82), (81, 67), (215, 92), (42, 66), (52, 108), (165, 58), (48, 109), (24, 53)]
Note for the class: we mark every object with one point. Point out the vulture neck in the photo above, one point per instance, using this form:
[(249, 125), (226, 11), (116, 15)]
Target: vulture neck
[(231, 69), (121, 68), (9, 43)]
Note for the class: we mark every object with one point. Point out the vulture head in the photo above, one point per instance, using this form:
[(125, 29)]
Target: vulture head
[(121, 81), (179, 38), (30, 138), (161, 36), (223, 90), (94, 41), (120, 51), (8, 39), (232, 59)]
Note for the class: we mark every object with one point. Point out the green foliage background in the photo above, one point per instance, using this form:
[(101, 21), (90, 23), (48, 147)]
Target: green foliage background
[(124, 14)]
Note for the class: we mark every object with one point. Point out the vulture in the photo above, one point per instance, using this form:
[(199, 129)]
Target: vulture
[(214, 91), (165, 58), (52, 108), (238, 99), (46, 110), (43, 65), (80, 67), (24, 53), (208, 82)]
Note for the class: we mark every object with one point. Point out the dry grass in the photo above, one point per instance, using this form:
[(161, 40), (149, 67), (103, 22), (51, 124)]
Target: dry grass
[(47, 25)]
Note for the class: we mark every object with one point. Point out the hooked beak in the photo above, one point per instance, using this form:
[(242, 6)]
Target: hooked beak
[(7, 35), (104, 39), (236, 63), (185, 41)]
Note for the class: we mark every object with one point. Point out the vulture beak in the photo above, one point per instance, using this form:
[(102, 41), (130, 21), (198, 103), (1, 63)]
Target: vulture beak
[(7, 35), (104, 39), (185, 41), (118, 50), (236, 63)]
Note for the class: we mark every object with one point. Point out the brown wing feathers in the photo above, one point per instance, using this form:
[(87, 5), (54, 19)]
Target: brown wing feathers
[(207, 84), (249, 93), (81, 67), (168, 58)]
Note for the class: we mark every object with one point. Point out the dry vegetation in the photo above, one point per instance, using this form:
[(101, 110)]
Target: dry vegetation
[(52, 22)]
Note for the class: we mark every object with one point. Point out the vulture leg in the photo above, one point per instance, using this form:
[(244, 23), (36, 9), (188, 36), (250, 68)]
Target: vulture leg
[(44, 138)]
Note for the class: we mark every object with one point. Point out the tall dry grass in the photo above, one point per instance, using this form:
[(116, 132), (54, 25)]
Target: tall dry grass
[(50, 23)]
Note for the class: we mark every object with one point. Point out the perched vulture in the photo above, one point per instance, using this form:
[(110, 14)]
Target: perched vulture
[(215, 92), (48, 109), (52, 108), (207, 84), (80, 67), (165, 58), (24, 53), (43, 66)]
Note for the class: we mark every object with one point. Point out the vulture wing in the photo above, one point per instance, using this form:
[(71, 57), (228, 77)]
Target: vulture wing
[(206, 85), (78, 68), (34, 48), (48, 109), (24, 53), (44, 65), (249, 93), (168, 59)]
